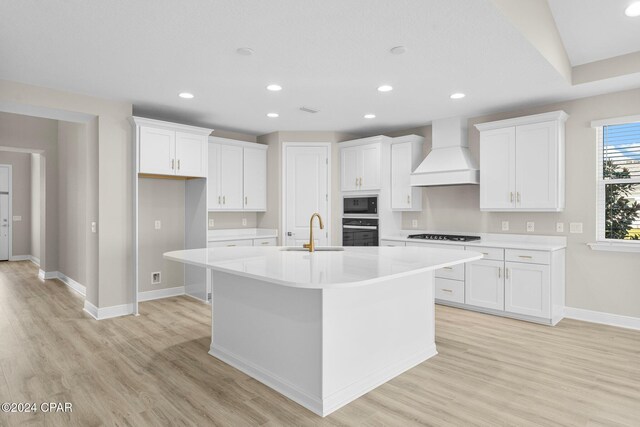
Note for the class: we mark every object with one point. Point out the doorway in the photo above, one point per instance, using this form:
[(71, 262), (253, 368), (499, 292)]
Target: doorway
[(306, 189), (5, 212)]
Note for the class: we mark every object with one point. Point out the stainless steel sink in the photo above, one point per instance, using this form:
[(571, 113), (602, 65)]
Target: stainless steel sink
[(318, 249)]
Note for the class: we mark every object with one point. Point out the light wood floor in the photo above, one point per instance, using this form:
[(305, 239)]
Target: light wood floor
[(154, 370)]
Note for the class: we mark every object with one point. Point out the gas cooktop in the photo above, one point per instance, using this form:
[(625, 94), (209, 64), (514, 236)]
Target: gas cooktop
[(449, 237)]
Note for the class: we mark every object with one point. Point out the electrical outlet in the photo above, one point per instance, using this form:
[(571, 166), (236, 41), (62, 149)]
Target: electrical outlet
[(575, 227), (244, 222), (531, 226), (505, 225), (94, 227), (560, 227), (212, 223), (414, 223), (157, 224), (17, 218), (156, 277)]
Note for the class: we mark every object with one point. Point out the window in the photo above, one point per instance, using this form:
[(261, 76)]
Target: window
[(619, 181)]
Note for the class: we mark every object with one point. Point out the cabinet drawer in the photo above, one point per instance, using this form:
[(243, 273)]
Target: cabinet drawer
[(229, 243), (496, 254), (449, 290), (268, 241), (533, 257), (455, 272), (433, 245), (391, 243)]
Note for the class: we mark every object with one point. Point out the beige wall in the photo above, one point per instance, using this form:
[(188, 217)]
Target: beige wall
[(21, 200), (600, 281), (72, 227), (35, 205), (112, 147), (163, 200)]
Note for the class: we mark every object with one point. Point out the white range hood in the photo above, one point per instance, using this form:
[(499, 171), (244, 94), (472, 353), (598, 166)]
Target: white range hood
[(449, 162)]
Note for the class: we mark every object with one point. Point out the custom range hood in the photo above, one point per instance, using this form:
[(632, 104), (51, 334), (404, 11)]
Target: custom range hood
[(449, 162)]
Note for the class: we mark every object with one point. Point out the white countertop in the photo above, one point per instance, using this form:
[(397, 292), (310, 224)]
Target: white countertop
[(220, 235), (507, 241), (355, 266)]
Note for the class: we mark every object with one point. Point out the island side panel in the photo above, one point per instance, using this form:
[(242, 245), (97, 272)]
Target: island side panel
[(373, 333), (271, 332)]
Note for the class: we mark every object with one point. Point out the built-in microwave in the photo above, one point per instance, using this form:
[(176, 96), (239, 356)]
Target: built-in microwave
[(360, 205)]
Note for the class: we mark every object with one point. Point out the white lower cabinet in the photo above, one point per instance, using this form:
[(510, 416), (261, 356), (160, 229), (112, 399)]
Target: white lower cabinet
[(269, 241), (527, 289), (449, 290), (485, 284), (230, 243)]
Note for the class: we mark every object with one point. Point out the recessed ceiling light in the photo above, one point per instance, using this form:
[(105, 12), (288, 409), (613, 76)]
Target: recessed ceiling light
[(274, 87), (369, 116), (633, 9), (185, 95), (398, 50), (273, 115), (457, 95), (245, 51), (385, 88)]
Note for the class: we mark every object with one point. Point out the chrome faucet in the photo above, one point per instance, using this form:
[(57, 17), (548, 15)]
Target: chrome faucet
[(311, 246)]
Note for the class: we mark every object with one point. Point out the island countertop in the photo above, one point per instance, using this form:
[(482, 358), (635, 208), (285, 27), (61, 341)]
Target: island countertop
[(353, 266)]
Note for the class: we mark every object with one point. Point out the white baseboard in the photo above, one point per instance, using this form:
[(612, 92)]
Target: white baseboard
[(602, 318), (160, 293), (34, 260), (107, 312), (47, 275), (72, 284), (20, 258)]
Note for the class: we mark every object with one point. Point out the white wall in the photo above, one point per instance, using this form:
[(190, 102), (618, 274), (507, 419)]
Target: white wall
[(21, 200), (600, 281)]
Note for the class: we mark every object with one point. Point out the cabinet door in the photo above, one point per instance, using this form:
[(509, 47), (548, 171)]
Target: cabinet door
[(484, 286), (231, 177), (537, 166), (255, 179), (497, 169), (369, 167), (401, 164), (157, 151), (191, 154), (214, 199), (527, 289), (349, 169)]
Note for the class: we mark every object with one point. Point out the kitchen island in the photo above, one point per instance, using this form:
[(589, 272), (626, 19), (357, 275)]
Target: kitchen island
[(323, 328)]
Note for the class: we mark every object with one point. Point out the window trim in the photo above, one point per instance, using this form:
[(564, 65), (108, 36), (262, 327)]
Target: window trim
[(602, 243)]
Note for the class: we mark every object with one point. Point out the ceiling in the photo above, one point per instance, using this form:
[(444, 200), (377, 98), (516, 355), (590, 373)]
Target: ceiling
[(595, 29), (329, 55)]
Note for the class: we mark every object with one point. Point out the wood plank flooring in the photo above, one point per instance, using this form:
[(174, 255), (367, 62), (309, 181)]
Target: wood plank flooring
[(154, 370)]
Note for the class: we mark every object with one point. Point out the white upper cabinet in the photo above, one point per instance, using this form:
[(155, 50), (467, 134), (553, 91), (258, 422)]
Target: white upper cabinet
[(171, 149), (522, 163), (406, 153), (360, 167), (255, 179), (237, 175)]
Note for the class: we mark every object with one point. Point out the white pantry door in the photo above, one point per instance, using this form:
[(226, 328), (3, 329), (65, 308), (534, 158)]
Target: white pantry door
[(4, 227), (306, 191)]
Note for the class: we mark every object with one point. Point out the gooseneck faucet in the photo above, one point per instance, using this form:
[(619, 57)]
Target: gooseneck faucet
[(311, 245)]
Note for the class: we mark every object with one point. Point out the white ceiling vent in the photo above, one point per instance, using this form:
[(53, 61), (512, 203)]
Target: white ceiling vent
[(309, 110)]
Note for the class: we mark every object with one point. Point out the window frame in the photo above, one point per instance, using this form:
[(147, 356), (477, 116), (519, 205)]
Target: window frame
[(603, 243)]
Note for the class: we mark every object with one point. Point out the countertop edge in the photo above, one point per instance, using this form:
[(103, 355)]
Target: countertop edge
[(490, 244)]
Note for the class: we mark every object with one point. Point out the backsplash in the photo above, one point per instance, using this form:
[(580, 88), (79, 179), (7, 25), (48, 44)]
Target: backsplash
[(224, 220)]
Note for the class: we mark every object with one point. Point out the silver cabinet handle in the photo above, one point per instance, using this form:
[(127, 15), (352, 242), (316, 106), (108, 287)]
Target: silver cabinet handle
[(178, 164), (224, 200), (511, 197), (408, 199), (264, 243), (173, 164), (506, 273), (518, 196), (360, 181), (246, 200), (447, 268), (525, 256), (356, 182), (447, 290), (230, 246), (499, 272), (218, 199)]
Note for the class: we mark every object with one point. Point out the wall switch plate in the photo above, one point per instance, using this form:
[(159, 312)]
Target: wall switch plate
[(156, 277), (575, 227), (560, 227), (212, 223), (414, 223), (531, 226), (244, 222), (94, 226), (17, 218), (157, 224), (505, 225)]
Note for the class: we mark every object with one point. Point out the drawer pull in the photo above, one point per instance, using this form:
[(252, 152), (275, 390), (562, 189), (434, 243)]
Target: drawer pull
[(485, 253), (447, 268), (447, 290), (230, 246), (525, 256), (264, 243)]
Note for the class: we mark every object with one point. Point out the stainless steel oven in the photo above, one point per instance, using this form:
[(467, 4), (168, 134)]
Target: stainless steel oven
[(363, 205), (360, 232)]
